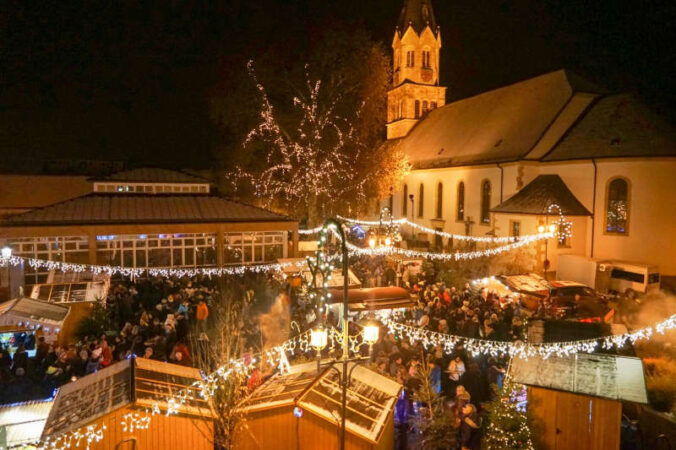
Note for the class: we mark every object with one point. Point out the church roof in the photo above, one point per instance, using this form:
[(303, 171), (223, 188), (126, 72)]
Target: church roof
[(555, 116), (417, 13), (539, 194), (616, 126)]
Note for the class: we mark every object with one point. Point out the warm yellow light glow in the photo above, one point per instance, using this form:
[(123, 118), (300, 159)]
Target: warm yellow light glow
[(372, 242), (552, 228), (318, 338), (541, 229), (371, 332), (388, 241), (6, 252)]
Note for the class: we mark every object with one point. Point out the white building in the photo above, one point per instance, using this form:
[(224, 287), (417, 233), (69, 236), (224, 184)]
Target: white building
[(478, 164)]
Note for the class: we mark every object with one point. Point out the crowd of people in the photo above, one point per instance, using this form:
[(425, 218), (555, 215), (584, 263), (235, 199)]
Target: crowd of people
[(158, 318), (463, 383), (149, 318)]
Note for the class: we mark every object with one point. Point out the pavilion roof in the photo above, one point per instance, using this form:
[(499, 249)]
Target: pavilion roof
[(111, 208)]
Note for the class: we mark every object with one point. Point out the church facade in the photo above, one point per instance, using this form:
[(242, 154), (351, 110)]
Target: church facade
[(496, 163)]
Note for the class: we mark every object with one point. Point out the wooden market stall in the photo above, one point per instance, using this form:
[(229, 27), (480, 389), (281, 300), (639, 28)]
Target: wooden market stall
[(302, 409), (21, 424), (26, 315), (576, 401), (112, 396)]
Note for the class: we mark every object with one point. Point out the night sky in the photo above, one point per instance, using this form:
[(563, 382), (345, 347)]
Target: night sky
[(131, 81)]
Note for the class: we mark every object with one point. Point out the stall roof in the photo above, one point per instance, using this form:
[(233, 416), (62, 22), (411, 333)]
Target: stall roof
[(23, 422), (141, 381), (370, 400), (300, 265), (597, 375), (31, 309), (374, 298)]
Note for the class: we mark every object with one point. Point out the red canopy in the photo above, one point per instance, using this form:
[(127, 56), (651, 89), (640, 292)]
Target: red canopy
[(374, 298)]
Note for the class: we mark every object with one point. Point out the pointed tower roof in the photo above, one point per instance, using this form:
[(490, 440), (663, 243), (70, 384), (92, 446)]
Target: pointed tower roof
[(417, 13)]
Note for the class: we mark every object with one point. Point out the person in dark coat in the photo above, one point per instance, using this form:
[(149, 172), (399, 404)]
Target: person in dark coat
[(470, 436)]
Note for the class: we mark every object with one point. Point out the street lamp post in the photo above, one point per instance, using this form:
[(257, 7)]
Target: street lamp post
[(319, 336)]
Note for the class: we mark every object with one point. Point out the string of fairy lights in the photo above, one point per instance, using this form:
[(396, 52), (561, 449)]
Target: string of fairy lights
[(277, 357), (238, 270), (478, 347)]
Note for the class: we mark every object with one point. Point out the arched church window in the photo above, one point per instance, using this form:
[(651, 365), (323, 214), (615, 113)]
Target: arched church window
[(617, 206), (460, 208), (425, 108), (485, 201), (421, 200), (417, 109), (440, 200), (433, 105), (404, 202)]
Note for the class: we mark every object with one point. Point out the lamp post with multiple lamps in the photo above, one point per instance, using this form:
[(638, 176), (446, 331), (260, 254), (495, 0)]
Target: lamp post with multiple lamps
[(319, 335)]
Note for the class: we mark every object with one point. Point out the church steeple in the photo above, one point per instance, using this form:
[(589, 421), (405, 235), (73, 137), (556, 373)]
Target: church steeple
[(418, 14), (416, 45)]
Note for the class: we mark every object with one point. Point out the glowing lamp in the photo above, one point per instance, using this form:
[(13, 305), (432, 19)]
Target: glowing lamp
[(298, 412), (388, 241), (371, 332), (552, 228), (6, 252), (372, 242), (541, 229), (319, 338)]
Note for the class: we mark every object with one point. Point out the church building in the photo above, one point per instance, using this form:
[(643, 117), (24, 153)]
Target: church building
[(496, 163)]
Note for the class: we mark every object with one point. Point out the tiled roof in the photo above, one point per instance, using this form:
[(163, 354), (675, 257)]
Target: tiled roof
[(99, 208), (153, 175), (616, 126), (497, 126), (539, 194)]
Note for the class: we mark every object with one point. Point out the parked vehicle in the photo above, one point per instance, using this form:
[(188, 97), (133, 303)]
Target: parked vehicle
[(609, 276), (572, 299)]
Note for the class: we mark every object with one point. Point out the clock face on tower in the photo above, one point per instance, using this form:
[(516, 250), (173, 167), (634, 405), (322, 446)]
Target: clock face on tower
[(426, 75)]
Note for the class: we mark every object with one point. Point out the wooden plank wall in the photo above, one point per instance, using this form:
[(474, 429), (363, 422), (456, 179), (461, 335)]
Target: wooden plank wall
[(280, 429), (564, 420), (164, 433)]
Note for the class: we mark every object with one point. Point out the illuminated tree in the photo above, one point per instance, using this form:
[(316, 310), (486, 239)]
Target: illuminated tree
[(321, 167), (507, 427)]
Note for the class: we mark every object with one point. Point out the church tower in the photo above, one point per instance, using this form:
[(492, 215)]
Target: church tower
[(416, 90)]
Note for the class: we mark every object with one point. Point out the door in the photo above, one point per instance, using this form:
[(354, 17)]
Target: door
[(573, 421)]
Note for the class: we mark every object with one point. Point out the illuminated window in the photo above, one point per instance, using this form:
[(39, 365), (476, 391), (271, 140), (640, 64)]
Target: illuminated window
[(460, 209), (421, 202), (440, 199), (617, 206), (485, 201), (404, 202)]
